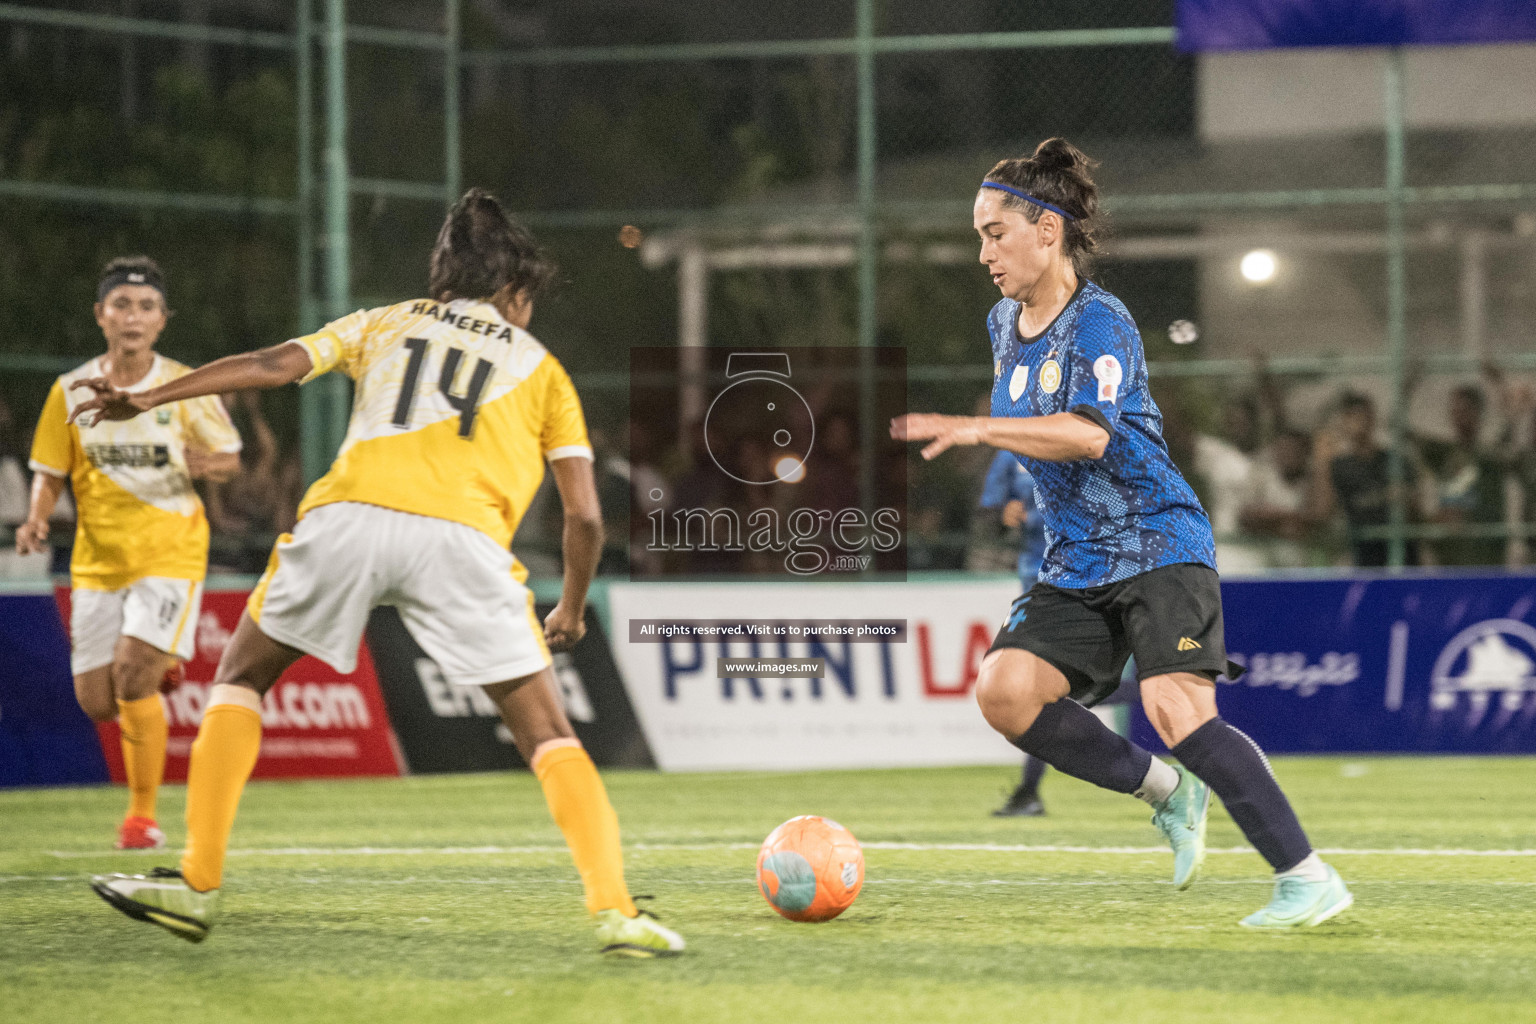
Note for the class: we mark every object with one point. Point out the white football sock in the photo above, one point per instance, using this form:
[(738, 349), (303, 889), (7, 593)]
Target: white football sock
[(1159, 784), (1312, 869)]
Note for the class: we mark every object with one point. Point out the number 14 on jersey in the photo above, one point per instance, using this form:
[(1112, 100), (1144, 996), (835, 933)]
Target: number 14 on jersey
[(467, 403)]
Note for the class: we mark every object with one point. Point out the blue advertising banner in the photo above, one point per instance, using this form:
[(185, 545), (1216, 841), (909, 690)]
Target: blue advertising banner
[(1264, 24), (1426, 664), (45, 739)]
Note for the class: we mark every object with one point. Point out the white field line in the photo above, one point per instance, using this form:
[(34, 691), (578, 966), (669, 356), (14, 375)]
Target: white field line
[(544, 883), (462, 851)]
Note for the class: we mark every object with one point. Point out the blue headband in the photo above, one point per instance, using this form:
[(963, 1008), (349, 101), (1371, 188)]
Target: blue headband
[(1027, 198)]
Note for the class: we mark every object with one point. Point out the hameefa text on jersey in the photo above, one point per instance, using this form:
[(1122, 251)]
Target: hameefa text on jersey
[(443, 312)]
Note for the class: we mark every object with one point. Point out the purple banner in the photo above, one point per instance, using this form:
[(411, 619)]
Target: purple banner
[(45, 739), (1426, 664), (1265, 24)]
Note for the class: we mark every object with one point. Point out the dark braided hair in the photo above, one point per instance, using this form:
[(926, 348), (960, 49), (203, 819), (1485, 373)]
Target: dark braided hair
[(481, 250), (1059, 174)]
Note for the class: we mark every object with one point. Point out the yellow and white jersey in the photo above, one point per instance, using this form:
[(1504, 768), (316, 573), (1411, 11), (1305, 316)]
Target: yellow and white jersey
[(454, 412), (138, 514)]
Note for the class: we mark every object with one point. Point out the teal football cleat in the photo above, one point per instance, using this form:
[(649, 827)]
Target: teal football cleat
[(1181, 818), (638, 936), (1299, 903), (161, 897)]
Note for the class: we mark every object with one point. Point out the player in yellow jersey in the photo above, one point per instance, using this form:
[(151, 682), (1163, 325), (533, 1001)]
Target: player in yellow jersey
[(141, 548), (456, 409)]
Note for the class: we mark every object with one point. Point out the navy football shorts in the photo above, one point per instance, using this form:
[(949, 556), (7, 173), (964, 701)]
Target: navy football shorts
[(1169, 618)]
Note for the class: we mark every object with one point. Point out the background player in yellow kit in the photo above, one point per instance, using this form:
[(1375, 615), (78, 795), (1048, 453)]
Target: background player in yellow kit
[(457, 407), (141, 547)]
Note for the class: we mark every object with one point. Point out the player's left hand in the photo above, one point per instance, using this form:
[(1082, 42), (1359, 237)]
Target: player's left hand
[(109, 403), (563, 628), (944, 431)]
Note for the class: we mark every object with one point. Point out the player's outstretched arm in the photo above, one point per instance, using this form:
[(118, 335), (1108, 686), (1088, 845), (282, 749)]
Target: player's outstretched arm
[(581, 546), (265, 368), (1060, 437)]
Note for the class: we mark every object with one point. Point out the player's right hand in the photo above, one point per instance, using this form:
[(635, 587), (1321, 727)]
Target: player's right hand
[(944, 431), (1013, 514), (110, 403), (563, 628), (32, 536)]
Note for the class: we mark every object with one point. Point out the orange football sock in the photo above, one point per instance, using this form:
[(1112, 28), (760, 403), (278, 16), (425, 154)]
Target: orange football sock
[(222, 759), (579, 804), (144, 731)]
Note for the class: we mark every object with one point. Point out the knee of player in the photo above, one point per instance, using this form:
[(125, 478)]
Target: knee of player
[(137, 673), (98, 709), (1182, 690), (996, 693), (1178, 706)]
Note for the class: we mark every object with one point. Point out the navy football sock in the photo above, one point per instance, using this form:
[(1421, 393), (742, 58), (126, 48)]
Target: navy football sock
[(1072, 739), (1237, 770), (1034, 771)]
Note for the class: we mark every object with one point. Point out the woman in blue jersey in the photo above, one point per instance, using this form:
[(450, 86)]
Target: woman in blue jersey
[(1130, 563)]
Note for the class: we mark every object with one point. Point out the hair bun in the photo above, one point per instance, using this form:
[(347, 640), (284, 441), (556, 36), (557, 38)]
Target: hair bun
[(1057, 154)]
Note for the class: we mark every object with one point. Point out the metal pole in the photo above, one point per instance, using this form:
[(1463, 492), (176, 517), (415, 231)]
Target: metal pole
[(337, 243), (692, 334), (868, 252), (1474, 292), (304, 72), (312, 399), (1397, 297), (452, 173), (321, 446)]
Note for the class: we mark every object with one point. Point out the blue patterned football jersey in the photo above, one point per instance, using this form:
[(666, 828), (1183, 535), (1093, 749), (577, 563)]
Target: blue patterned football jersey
[(1127, 513)]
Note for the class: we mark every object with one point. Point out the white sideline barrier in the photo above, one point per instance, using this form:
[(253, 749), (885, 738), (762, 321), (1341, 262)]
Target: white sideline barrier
[(881, 704)]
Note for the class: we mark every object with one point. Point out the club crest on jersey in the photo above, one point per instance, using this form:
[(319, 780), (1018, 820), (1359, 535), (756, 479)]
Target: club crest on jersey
[(1050, 376), (1106, 370), (1018, 382), (163, 415)]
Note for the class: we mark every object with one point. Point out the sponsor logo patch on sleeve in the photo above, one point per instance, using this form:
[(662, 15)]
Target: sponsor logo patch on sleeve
[(1106, 370)]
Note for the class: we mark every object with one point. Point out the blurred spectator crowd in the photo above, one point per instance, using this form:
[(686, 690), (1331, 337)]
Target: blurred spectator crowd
[(1293, 491), (1286, 494)]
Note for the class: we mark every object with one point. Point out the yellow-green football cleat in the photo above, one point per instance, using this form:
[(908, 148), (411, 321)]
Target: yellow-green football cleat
[(1181, 818), (161, 897), (1300, 903), (638, 936)]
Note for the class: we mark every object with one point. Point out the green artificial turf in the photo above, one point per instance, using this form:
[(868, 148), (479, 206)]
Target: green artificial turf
[(450, 899)]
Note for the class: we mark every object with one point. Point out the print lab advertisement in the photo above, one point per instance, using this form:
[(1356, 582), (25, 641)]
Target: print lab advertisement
[(708, 695)]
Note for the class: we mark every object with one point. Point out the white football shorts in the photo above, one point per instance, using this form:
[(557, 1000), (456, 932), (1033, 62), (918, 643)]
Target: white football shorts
[(156, 609), (452, 585)]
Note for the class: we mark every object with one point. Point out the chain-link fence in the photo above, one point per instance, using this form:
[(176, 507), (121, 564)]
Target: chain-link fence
[(1350, 235)]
